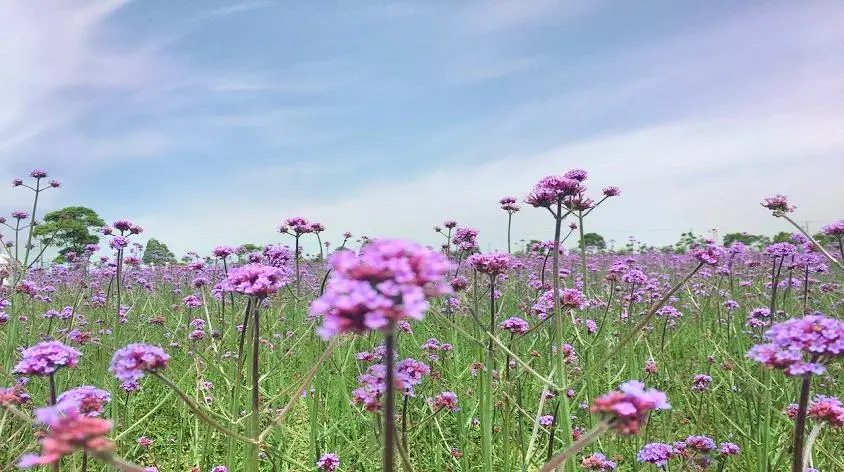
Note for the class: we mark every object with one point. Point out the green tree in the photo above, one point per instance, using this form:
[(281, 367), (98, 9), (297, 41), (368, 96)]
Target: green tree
[(686, 241), (69, 229), (754, 240), (782, 237), (157, 253), (594, 240)]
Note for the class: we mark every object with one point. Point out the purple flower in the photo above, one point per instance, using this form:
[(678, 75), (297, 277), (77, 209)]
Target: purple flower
[(38, 173), (19, 215), (509, 205), (629, 406), (657, 454), (834, 229), (494, 263), (708, 254), (827, 410), (701, 444), (612, 191), (17, 182), (389, 281), (546, 420), (801, 346), (45, 358), (598, 461), (515, 325), (729, 449), (446, 400), (255, 279), (701, 383), (130, 363), (91, 400), (465, 238), (219, 468), (553, 190), (781, 250), (328, 462), (778, 203), (223, 251)]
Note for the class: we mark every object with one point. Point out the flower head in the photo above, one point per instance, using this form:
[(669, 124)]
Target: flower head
[(657, 454), (91, 400), (515, 325), (598, 461), (778, 203), (69, 430), (801, 346), (130, 363), (494, 263), (328, 462), (256, 279), (553, 190), (827, 410), (628, 407), (45, 358), (389, 281)]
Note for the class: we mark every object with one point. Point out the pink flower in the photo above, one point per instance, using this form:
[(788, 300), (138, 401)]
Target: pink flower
[(628, 407)]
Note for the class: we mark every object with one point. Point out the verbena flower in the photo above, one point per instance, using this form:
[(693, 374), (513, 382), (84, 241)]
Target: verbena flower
[(445, 400), (827, 410), (778, 203), (256, 279), (801, 346), (628, 408), (69, 431), (729, 449), (515, 325), (493, 264), (91, 400), (130, 363), (657, 454), (598, 461), (391, 280), (553, 190), (45, 358), (328, 462)]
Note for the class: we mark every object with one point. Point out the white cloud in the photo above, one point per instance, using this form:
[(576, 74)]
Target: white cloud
[(674, 177), (495, 15)]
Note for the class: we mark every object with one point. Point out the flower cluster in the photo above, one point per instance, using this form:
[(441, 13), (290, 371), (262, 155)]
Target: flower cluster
[(778, 203), (91, 401), (827, 410), (389, 281), (69, 431), (569, 298), (45, 358), (599, 462), (515, 325), (509, 205), (493, 264), (328, 462), (130, 363), (801, 346), (628, 408), (256, 279)]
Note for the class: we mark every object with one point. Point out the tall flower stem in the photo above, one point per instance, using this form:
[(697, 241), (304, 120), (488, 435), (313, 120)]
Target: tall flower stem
[(32, 222), (509, 225), (800, 424), (582, 234), (52, 377), (234, 406), (565, 415), (389, 404), (254, 418)]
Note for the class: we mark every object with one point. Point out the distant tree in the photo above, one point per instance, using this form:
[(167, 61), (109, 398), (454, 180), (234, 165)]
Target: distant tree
[(782, 237), (157, 253), (753, 240), (249, 247), (594, 240), (687, 240), (69, 229)]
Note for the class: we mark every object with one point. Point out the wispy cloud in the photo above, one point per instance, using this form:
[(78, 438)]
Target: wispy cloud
[(492, 16)]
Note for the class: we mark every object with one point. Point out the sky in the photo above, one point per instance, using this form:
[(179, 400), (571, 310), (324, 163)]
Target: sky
[(209, 122)]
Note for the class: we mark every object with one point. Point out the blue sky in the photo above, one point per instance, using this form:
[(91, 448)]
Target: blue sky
[(208, 122)]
